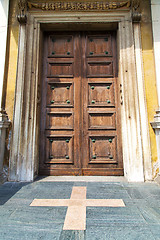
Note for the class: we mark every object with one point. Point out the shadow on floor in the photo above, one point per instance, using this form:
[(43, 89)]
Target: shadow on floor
[(9, 189)]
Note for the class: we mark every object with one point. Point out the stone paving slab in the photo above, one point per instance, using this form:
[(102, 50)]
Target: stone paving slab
[(139, 220)]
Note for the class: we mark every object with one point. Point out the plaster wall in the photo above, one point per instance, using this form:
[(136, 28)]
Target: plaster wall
[(12, 50), (4, 6)]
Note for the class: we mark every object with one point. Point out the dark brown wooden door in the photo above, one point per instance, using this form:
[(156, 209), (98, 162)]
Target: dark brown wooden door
[(80, 116)]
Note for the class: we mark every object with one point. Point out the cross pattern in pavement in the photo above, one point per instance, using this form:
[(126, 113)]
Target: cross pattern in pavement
[(76, 213)]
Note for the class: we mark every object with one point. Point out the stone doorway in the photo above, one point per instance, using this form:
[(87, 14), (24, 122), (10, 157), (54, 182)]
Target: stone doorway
[(24, 158)]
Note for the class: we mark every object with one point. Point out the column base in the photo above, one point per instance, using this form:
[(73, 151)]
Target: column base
[(4, 175), (156, 126), (4, 124), (157, 179)]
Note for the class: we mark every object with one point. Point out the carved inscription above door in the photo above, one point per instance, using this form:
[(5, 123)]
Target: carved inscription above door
[(80, 118)]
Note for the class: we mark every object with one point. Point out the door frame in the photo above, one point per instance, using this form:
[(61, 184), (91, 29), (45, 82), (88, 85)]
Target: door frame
[(24, 155)]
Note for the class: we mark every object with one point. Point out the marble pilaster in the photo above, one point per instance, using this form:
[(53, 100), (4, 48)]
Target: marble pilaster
[(4, 123)]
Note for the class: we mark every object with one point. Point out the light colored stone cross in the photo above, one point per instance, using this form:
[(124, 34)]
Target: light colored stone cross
[(76, 212)]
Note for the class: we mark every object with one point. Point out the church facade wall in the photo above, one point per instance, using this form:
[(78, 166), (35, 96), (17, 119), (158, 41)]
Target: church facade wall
[(18, 90)]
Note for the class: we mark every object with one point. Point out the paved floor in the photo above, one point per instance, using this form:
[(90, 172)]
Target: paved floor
[(139, 219)]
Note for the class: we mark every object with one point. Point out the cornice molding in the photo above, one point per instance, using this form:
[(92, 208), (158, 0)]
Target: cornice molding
[(24, 5)]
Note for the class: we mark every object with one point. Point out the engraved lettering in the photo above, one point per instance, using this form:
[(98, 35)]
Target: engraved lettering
[(78, 6)]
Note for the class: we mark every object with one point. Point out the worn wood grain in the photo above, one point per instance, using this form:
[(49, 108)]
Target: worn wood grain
[(80, 118)]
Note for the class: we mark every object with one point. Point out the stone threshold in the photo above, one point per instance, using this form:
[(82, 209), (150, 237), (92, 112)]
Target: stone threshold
[(81, 179)]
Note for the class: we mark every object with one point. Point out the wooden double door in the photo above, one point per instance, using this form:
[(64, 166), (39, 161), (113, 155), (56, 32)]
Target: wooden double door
[(80, 117)]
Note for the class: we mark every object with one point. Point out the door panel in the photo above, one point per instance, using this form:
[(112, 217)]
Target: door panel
[(101, 112), (102, 149), (60, 149), (101, 93), (102, 120), (60, 94), (61, 103), (80, 118)]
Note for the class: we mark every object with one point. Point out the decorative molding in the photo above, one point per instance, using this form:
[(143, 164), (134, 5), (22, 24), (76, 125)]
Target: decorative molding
[(156, 124), (79, 6), (22, 17), (135, 5), (136, 15), (2, 111)]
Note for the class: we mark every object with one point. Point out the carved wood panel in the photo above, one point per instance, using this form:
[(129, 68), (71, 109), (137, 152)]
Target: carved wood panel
[(101, 94), (99, 68), (59, 150), (60, 69), (99, 46), (103, 150), (60, 94), (60, 46), (60, 120), (102, 120)]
